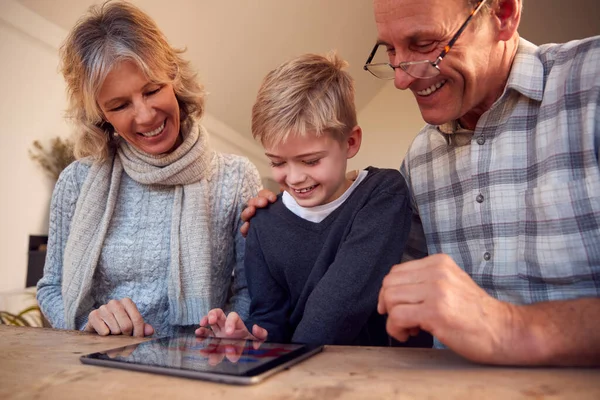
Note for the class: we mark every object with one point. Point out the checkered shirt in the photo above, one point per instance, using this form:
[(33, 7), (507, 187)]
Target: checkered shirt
[(516, 203)]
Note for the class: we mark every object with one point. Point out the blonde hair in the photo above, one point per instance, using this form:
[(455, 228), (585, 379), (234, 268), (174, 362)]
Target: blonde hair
[(308, 94), (108, 35)]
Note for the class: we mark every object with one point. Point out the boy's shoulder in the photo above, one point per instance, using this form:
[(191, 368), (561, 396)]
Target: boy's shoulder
[(377, 182), (383, 173), (384, 180), (270, 212)]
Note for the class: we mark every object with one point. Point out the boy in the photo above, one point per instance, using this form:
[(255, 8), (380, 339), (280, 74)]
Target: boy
[(316, 259)]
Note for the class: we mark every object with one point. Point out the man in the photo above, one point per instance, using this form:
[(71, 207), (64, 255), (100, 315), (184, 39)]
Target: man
[(505, 182), (506, 185)]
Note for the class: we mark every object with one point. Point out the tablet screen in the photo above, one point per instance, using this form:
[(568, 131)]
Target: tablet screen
[(242, 358)]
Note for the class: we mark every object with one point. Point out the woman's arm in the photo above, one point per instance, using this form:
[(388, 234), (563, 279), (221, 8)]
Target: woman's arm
[(250, 185), (62, 208)]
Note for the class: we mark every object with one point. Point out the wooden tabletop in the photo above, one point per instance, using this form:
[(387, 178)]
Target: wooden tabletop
[(44, 363)]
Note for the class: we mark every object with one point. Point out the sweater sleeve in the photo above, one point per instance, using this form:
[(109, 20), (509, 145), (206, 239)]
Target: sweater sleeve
[(250, 186), (270, 303), (62, 208), (346, 296)]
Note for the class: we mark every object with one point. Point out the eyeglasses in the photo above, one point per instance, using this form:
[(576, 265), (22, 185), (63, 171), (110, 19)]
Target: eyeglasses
[(423, 69)]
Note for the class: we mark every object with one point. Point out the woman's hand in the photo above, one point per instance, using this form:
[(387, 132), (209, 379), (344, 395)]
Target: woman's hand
[(261, 201), (230, 327), (118, 317)]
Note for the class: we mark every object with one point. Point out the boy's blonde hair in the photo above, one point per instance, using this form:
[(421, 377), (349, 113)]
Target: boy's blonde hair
[(308, 94), (110, 34)]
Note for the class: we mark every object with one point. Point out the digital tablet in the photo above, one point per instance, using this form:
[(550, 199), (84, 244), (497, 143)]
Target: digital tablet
[(241, 362)]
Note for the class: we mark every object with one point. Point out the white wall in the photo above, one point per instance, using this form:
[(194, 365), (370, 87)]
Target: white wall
[(226, 140), (30, 108), (389, 123), (32, 104)]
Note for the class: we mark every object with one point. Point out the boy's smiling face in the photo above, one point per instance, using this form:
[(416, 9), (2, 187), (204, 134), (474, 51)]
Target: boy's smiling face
[(313, 169)]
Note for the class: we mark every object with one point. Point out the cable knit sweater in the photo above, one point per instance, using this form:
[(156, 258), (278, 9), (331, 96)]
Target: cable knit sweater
[(134, 260)]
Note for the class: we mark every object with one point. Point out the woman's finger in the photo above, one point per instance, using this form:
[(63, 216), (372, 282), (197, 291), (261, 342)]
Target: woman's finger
[(117, 309), (96, 324), (136, 321), (109, 319)]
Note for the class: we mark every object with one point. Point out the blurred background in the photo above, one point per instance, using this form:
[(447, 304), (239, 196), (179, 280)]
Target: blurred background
[(232, 44)]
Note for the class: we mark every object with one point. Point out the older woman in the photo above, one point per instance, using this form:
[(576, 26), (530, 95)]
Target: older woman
[(144, 230)]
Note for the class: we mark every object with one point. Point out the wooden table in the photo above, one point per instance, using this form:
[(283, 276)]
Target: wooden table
[(44, 363)]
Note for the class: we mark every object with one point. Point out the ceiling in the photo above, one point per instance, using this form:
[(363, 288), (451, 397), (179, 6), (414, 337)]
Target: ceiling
[(234, 43)]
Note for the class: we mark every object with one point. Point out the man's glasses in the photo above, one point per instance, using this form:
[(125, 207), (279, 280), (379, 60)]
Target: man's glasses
[(423, 69)]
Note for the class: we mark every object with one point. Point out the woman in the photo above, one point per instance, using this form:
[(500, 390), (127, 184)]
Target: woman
[(144, 231)]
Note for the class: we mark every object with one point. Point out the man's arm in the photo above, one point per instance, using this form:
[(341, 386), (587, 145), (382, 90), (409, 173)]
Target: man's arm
[(436, 295), (564, 332)]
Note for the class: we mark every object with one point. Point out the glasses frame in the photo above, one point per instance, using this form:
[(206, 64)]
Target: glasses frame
[(404, 65)]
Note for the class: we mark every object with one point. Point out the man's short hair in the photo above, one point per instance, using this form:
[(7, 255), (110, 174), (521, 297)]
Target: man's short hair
[(308, 94)]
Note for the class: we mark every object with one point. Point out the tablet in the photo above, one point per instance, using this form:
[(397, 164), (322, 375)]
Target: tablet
[(241, 362)]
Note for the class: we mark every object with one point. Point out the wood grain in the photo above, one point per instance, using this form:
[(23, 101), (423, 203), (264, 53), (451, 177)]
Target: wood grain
[(44, 363)]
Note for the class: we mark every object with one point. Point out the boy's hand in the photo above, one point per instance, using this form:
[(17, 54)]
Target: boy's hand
[(231, 349), (230, 326), (261, 201)]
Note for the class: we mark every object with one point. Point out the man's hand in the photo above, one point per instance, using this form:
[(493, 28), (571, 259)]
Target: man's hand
[(230, 326), (436, 295), (118, 317), (261, 201)]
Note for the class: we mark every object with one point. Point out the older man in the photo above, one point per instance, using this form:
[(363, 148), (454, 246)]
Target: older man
[(503, 266), (505, 183)]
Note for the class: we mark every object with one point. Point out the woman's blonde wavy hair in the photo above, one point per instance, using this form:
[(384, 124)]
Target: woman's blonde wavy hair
[(109, 34)]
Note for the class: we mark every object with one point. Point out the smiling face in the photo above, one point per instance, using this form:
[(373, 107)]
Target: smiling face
[(418, 30), (143, 113), (313, 169)]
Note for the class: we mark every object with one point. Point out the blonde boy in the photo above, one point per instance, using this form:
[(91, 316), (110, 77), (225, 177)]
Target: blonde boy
[(315, 260)]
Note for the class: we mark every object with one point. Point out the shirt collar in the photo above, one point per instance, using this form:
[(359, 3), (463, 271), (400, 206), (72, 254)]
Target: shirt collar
[(527, 72)]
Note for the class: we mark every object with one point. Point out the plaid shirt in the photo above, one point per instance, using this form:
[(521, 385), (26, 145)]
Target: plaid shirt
[(516, 203)]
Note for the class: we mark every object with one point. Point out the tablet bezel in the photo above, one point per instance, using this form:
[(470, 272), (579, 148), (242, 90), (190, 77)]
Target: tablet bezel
[(252, 376)]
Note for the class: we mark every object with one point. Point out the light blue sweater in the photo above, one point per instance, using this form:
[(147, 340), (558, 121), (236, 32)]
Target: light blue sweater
[(135, 256)]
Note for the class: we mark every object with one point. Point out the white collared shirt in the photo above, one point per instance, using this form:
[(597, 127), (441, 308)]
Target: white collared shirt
[(319, 213)]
